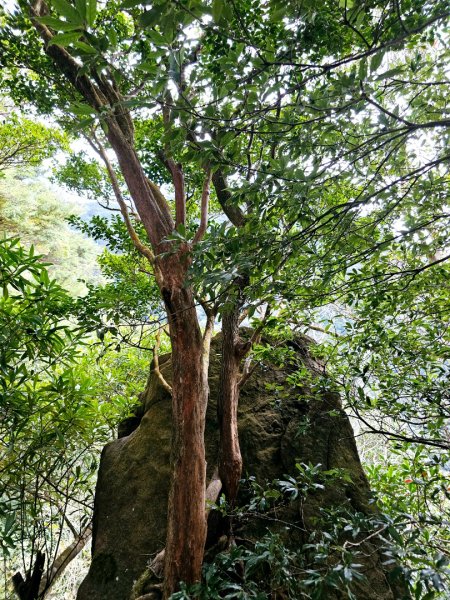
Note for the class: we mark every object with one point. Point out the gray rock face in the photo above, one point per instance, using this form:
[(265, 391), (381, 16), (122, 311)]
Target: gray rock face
[(275, 433)]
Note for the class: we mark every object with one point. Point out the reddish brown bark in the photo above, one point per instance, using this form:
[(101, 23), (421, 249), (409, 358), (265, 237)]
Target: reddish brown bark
[(186, 530), (186, 525)]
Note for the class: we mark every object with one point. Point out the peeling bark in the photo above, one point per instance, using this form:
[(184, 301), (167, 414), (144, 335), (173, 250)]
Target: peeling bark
[(186, 531)]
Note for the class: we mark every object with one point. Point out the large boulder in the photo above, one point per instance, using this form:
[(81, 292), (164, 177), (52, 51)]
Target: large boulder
[(279, 425)]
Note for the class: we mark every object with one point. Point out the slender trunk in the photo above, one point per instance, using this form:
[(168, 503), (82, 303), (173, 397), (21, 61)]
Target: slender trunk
[(186, 526), (186, 531), (230, 459), (186, 523)]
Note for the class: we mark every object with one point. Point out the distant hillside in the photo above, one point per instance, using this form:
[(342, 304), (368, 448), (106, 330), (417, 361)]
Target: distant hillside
[(36, 212)]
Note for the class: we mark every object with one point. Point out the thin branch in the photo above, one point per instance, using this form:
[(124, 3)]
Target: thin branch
[(255, 338), (247, 372), (180, 196), (232, 210), (204, 208), (156, 368), (140, 247), (62, 561)]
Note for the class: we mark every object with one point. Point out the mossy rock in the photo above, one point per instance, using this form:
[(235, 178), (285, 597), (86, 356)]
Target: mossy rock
[(133, 482)]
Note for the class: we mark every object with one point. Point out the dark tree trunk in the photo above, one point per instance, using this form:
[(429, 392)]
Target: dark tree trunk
[(230, 459), (28, 588)]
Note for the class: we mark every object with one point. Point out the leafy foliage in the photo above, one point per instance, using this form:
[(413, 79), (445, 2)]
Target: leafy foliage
[(26, 141), (58, 406), (31, 209)]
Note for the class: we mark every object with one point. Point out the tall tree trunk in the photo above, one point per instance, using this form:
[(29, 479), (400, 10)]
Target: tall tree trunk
[(186, 527), (186, 512)]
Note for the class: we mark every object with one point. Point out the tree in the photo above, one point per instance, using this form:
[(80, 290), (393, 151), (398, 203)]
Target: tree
[(311, 161), (25, 141), (30, 209)]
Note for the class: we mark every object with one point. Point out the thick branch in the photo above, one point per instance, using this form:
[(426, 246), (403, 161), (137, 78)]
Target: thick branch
[(156, 368), (100, 94), (233, 212)]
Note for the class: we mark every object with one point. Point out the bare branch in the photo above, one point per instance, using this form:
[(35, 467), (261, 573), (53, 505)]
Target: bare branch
[(233, 212), (62, 561), (255, 338), (180, 196)]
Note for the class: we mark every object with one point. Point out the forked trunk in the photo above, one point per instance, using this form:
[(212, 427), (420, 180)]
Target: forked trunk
[(186, 512)]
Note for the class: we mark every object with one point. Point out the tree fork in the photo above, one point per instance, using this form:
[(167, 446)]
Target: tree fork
[(186, 530)]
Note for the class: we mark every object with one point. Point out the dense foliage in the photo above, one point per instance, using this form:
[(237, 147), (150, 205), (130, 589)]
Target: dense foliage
[(59, 402)]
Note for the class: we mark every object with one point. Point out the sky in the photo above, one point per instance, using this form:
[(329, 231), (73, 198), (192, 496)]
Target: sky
[(9, 4)]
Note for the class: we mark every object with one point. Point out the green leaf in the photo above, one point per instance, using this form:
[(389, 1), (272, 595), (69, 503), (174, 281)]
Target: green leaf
[(376, 61), (57, 24), (112, 37), (362, 72), (152, 17), (81, 109), (84, 47), (81, 6), (64, 39), (148, 67), (155, 37), (390, 73), (91, 12), (66, 10), (395, 535), (131, 3), (217, 9)]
